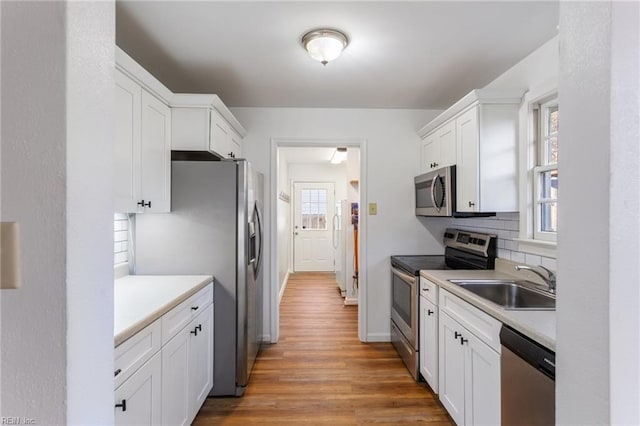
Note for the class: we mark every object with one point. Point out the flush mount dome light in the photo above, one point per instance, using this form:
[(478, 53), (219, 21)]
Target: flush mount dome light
[(324, 45)]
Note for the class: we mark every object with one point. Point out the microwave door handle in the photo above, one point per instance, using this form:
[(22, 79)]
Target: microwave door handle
[(433, 193)]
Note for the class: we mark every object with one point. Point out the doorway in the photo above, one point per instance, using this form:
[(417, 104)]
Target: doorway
[(301, 196), (313, 232)]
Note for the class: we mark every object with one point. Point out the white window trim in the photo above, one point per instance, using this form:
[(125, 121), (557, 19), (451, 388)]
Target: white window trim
[(527, 155)]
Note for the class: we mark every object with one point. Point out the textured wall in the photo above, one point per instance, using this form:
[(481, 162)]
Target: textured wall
[(33, 347), (57, 132)]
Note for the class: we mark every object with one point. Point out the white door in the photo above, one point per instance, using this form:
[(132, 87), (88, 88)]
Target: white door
[(312, 231)]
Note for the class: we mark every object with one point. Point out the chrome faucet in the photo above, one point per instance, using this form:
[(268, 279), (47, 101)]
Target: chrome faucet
[(550, 279)]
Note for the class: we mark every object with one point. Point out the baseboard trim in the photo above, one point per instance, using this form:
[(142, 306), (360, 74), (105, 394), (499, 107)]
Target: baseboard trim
[(283, 287), (379, 337), (350, 300)]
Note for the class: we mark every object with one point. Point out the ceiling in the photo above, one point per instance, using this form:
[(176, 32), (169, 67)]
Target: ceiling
[(418, 54)]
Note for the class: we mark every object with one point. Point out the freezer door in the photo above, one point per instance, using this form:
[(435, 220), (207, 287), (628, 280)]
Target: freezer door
[(250, 315)]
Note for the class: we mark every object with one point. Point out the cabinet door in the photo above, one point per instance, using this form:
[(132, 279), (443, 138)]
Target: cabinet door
[(447, 143), (220, 140), (482, 383), (155, 165), (468, 137), (236, 144), (127, 145), (175, 379), (201, 360), (430, 152), (139, 396), (429, 342), (451, 385)]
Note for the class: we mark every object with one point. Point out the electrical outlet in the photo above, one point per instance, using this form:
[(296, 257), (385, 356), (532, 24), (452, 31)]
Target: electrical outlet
[(373, 209)]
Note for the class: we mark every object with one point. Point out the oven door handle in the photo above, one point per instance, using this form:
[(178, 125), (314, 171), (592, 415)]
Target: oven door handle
[(404, 277)]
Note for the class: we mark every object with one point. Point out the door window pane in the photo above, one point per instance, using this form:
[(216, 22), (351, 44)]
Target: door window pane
[(314, 209)]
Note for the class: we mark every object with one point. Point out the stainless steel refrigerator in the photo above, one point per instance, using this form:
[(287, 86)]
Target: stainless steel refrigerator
[(214, 228)]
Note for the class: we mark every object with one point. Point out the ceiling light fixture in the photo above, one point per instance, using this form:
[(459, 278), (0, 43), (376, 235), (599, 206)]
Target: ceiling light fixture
[(339, 155), (324, 45)]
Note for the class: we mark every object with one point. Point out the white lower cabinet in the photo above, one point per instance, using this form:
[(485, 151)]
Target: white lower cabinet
[(429, 342), (138, 399), (452, 374), (469, 373), (173, 381), (187, 370)]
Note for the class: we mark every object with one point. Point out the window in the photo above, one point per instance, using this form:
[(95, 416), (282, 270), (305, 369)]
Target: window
[(545, 172), (314, 209)]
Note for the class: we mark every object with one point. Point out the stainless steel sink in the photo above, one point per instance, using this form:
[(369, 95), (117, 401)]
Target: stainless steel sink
[(510, 294)]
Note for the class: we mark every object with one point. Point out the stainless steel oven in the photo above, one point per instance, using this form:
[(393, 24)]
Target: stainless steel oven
[(463, 250), (404, 317)]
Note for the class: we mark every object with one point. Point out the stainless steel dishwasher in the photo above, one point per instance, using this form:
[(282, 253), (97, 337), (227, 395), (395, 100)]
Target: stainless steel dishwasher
[(528, 388)]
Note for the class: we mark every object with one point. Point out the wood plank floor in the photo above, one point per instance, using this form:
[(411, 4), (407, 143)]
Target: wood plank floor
[(320, 373)]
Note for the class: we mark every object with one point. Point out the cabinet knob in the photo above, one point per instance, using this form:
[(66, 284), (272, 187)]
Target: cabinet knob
[(471, 204), (199, 327), (195, 308), (456, 335), (429, 312), (143, 204), (122, 405), (463, 340), (435, 164), (118, 371), (194, 331), (231, 155)]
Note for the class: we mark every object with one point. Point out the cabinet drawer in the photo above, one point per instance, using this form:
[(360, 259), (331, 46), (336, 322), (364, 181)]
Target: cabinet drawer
[(134, 352), (177, 318), (481, 324), (429, 290)]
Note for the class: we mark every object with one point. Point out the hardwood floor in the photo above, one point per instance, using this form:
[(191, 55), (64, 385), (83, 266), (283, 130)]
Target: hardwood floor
[(320, 373)]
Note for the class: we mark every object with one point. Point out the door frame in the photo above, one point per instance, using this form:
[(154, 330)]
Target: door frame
[(274, 285), (292, 215)]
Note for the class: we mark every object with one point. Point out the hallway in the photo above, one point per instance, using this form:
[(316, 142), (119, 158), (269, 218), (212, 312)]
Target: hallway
[(320, 373)]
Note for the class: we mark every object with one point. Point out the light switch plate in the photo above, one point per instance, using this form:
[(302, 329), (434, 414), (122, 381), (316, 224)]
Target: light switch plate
[(373, 209), (9, 255)]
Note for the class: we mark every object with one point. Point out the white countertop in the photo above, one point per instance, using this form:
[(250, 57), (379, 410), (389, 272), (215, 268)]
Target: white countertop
[(139, 300), (537, 325)]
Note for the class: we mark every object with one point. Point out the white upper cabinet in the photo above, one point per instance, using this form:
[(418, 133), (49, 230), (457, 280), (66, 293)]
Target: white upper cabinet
[(155, 155), (439, 148), (479, 134), (127, 144), (142, 174), (204, 123)]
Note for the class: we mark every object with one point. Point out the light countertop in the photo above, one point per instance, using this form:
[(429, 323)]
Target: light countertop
[(537, 325), (139, 300)]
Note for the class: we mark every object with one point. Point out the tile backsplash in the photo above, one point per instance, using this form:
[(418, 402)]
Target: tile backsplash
[(120, 238), (506, 226)]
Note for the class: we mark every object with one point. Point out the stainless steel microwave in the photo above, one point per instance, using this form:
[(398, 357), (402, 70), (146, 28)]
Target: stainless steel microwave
[(435, 192)]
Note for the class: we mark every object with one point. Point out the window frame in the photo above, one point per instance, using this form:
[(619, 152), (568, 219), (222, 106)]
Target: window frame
[(540, 122), (528, 155)]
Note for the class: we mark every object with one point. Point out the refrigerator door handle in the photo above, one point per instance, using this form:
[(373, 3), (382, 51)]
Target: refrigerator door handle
[(334, 235), (260, 244)]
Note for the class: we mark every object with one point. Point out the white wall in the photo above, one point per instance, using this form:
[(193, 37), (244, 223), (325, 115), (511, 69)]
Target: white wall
[(598, 248), (336, 173), (391, 143), (284, 223), (57, 127)]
